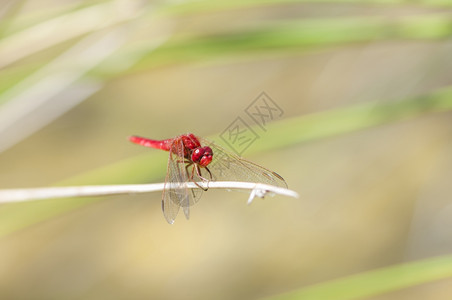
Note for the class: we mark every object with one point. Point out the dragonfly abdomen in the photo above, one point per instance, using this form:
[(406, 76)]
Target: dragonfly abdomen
[(163, 144)]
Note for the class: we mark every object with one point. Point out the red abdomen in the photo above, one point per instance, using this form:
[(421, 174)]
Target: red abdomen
[(163, 144), (190, 141)]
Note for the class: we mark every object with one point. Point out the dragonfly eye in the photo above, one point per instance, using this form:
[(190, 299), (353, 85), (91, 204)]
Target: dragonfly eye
[(202, 156)]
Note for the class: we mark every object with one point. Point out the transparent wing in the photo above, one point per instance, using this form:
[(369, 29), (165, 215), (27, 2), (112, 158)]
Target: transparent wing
[(175, 193), (195, 194), (226, 166)]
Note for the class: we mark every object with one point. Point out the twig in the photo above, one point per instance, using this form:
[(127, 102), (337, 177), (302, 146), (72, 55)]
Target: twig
[(20, 195)]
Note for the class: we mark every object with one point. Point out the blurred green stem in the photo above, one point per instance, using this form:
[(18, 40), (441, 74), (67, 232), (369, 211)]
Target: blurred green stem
[(209, 6), (348, 119), (376, 282), (294, 36)]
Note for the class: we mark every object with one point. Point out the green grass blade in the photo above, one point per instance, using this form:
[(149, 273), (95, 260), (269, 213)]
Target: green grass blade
[(348, 119), (204, 6), (61, 28), (376, 282), (298, 35)]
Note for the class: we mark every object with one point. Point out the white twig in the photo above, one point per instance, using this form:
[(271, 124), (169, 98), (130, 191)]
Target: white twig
[(19, 195)]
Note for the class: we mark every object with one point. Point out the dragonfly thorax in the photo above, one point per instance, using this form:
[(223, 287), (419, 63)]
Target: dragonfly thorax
[(202, 156)]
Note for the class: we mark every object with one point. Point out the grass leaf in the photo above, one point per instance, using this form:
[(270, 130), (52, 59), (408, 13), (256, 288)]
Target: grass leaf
[(376, 282)]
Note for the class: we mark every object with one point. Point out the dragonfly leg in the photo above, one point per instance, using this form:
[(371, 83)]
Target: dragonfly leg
[(199, 175), (210, 174), (186, 170), (198, 172), (192, 175)]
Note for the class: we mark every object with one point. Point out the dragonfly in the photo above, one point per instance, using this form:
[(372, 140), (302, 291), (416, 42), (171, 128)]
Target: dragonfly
[(194, 159)]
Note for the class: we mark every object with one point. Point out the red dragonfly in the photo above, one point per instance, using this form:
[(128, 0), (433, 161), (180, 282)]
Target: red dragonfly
[(189, 156)]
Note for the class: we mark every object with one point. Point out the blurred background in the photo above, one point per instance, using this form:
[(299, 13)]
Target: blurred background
[(363, 134)]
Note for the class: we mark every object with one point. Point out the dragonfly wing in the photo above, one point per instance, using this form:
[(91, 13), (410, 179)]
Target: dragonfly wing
[(196, 195), (170, 209), (175, 193), (187, 212), (226, 166)]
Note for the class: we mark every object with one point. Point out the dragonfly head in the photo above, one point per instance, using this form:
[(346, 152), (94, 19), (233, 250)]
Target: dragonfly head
[(202, 156)]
